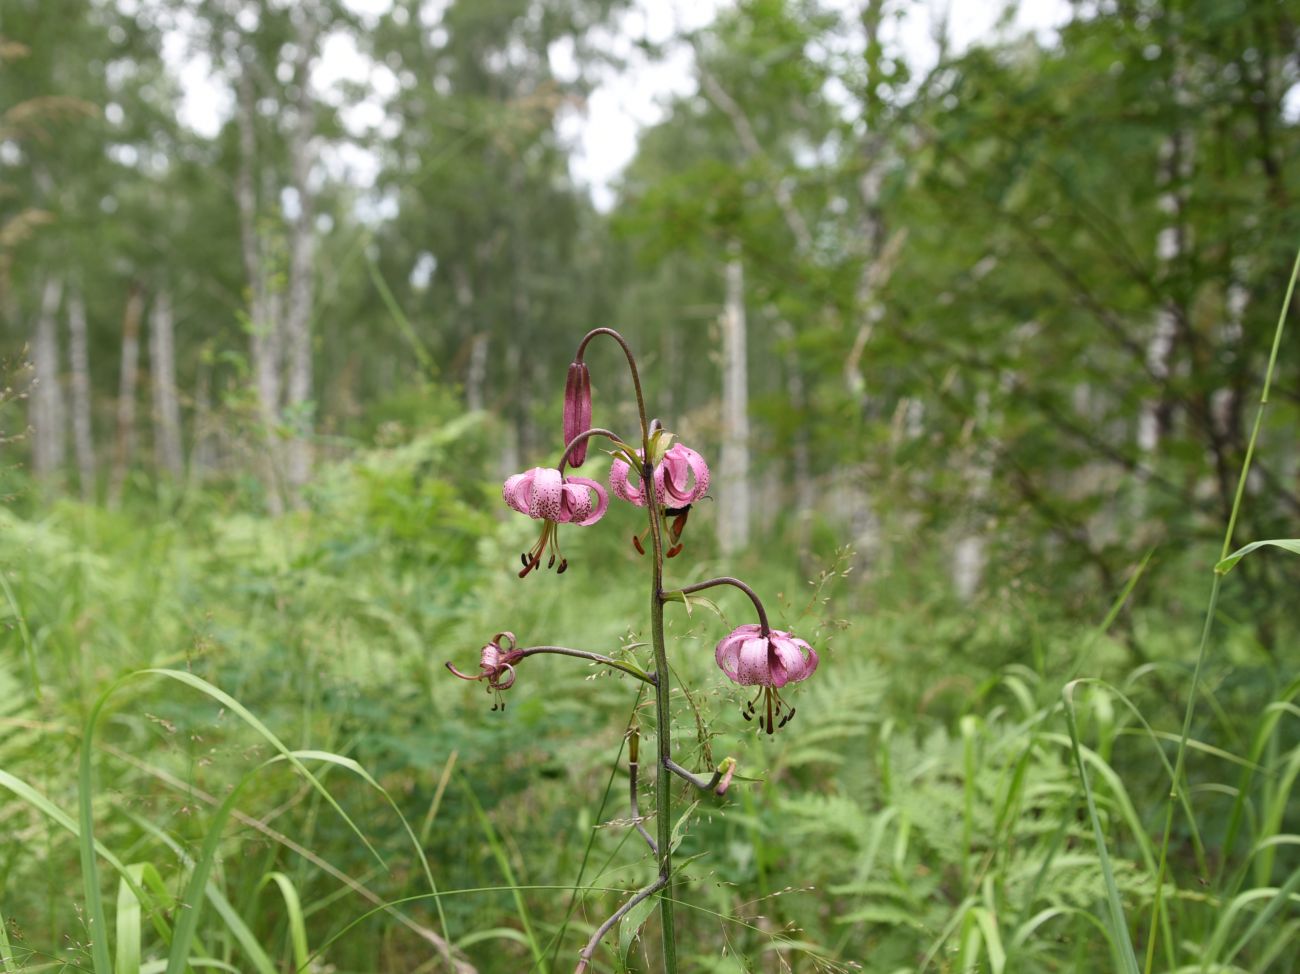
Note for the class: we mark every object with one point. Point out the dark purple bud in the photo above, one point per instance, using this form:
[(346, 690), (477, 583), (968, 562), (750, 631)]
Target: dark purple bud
[(577, 410)]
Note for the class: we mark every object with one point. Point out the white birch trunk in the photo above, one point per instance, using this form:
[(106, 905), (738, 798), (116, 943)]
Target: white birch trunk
[(124, 438), (166, 405), (265, 340), (297, 323), (805, 496), (733, 479), (49, 444), (202, 452), (83, 436)]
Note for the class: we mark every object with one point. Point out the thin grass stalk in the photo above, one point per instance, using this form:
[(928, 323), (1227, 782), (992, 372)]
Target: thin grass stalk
[(1201, 652)]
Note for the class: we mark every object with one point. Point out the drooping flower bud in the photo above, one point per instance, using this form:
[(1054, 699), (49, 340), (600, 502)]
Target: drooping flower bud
[(577, 410)]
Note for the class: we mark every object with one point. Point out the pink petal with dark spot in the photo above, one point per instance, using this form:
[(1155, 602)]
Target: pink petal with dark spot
[(548, 486), (583, 512), (518, 491), (753, 664)]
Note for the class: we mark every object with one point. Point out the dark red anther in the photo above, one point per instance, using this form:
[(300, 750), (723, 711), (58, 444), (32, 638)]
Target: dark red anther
[(674, 551), (563, 565), (679, 524), (636, 543)]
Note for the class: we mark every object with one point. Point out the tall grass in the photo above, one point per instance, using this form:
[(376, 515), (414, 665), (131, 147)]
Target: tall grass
[(215, 729)]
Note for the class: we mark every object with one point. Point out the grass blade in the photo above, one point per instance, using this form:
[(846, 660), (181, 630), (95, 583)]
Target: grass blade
[(1118, 923)]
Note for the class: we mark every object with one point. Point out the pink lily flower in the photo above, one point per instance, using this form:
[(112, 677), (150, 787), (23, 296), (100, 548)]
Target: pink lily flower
[(495, 666), (680, 479), (750, 657), (672, 479), (577, 411), (544, 494)]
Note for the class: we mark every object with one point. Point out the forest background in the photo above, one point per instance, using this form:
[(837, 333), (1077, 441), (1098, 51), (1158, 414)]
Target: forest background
[(975, 348)]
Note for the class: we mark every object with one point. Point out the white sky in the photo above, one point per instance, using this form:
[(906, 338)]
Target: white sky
[(604, 136)]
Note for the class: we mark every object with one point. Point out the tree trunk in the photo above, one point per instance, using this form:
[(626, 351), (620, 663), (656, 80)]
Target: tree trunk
[(265, 341), (49, 444), (166, 407), (733, 486), (297, 323), (124, 440), (83, 435), (805, 496), (202, 450)]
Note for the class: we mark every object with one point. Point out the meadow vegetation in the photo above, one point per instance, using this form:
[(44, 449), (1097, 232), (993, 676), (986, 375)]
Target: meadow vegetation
[(973, 336)]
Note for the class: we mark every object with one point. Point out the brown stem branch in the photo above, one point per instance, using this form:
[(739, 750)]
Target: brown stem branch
[(764, 628)]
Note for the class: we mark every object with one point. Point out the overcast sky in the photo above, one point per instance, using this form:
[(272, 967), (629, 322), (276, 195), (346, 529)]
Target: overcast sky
[(603, 136)]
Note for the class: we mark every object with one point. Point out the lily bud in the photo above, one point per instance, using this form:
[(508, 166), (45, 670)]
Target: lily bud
[(577, 410)]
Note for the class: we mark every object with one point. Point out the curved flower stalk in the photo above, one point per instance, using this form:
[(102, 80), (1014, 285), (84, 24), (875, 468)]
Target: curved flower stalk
[(753, 656), (669, 480), (543, 493), (680, 479)]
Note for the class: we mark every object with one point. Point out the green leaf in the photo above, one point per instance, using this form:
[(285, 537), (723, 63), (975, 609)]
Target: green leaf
[(1287, 544), (632, 922)]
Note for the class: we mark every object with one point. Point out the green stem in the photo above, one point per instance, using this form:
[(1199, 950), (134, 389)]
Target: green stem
[(663, 718), (1202, 650)]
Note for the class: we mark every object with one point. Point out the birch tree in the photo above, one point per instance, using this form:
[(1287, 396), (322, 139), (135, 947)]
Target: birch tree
[(166, 403), (83, 434), (48, 414)]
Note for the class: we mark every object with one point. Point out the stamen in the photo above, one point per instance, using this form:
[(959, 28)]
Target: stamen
[(563, 565), (523, 559), (674, 551), (636, 543), (551, 563)]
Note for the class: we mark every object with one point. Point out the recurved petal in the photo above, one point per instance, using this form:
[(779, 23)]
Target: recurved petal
[(754, 664), (620, 485), (548, 488), (785, 661), (726, 655), (586, 512), (680, 465), (517, 490)]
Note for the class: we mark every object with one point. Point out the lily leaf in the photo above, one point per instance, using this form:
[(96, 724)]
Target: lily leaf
[(1227, 565)]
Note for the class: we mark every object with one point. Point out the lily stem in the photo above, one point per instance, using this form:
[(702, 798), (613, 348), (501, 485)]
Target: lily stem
[(634, 738), (685, 590), (583, 438), (628, 668), (699, 781), (631, 365), (604, 928), (663, 721)]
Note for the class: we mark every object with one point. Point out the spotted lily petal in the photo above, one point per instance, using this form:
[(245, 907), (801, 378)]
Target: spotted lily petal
[(548, 487), (752, 662), (622, 487), (518, 489), (672, 477), (578, 503)]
